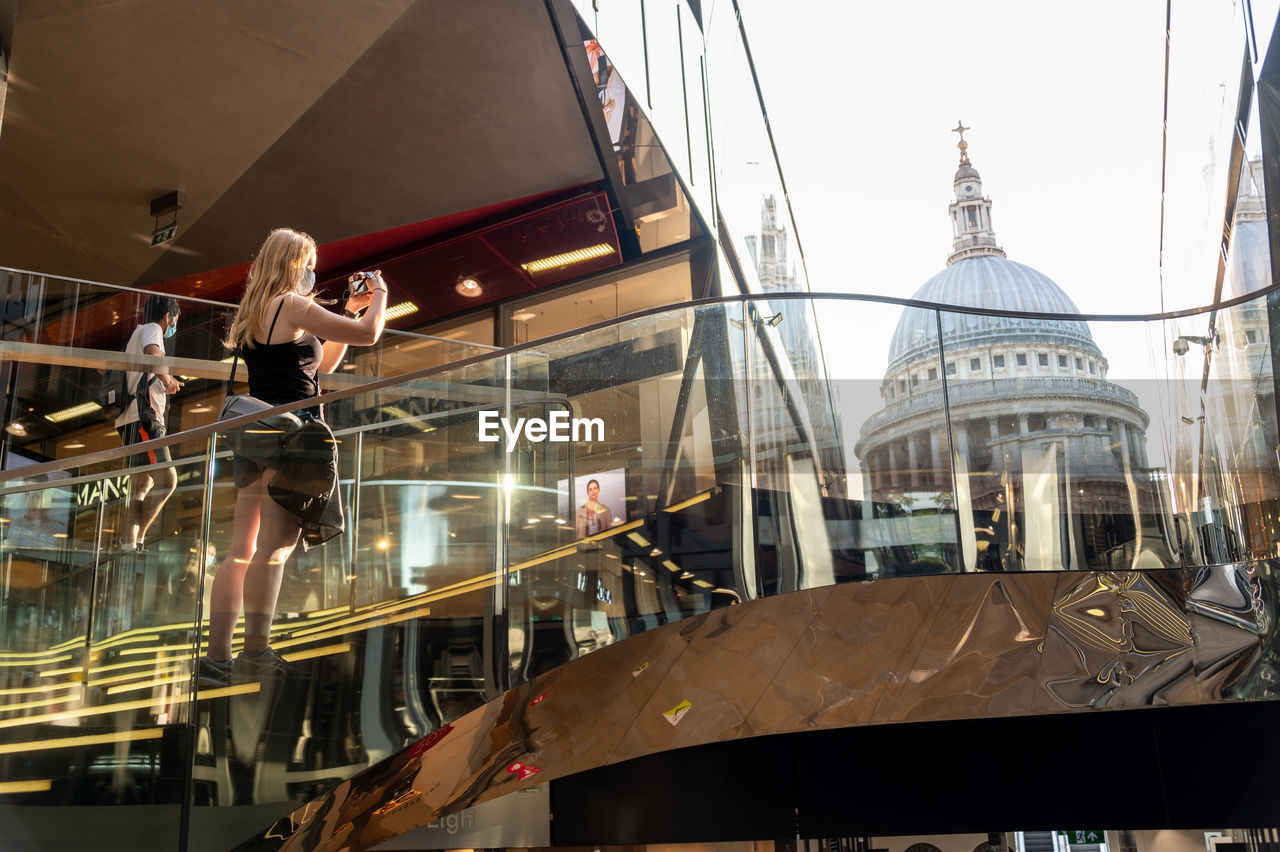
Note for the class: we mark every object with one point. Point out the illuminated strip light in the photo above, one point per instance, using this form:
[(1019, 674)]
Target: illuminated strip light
[(323, 651), (347, 631), (27, 690), (37, 785), (134, 635), (97, 670), (684, 504), (42, 702), (59, 659), (321, 613), (78, 713), (224, 691), (377, 610), (569, 257), (353, 623), (161, 671), (73, 412), (571, 548), (147, 684), (401, 310), (73, 742), (31, 656)]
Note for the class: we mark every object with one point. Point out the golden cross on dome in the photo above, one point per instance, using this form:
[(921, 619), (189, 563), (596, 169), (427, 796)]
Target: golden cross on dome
[(962, 145)]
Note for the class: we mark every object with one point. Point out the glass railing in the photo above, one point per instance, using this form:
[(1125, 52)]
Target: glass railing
[(57, 333), (512, 512)]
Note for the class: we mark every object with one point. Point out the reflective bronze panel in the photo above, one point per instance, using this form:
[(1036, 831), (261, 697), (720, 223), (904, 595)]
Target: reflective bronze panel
[(945, 647)]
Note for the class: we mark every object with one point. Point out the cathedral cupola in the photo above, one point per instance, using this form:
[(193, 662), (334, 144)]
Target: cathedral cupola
[(971, 211)]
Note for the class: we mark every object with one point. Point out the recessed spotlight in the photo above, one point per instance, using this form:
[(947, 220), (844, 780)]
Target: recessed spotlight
[(468, 287)]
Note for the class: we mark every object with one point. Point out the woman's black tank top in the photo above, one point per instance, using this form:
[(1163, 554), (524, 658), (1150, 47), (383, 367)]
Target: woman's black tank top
[(284, 372)]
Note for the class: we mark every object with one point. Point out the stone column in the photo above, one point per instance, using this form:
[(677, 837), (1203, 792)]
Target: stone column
[(937, 439), (913, 462)]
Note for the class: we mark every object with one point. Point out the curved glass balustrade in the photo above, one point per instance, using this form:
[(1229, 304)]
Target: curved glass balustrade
[(57, 333), (727, 462)]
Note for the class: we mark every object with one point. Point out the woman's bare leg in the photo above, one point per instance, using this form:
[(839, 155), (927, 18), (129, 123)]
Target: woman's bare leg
[(228, 584), (277, 537)]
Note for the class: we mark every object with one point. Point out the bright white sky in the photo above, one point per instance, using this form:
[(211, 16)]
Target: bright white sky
[(1065, 108), (1065, 105)]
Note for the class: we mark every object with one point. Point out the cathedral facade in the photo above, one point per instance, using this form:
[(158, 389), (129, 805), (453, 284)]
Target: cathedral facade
[(1006, 422)]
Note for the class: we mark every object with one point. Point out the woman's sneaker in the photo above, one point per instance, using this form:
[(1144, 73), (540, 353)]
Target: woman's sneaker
[(248, 668), (211, 673)]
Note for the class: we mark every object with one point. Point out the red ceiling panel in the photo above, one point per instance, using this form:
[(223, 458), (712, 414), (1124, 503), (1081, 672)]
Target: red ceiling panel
[(415, 269)]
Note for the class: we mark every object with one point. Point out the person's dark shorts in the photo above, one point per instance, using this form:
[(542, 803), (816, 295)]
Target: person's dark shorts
[(245, 471), (137, 432)]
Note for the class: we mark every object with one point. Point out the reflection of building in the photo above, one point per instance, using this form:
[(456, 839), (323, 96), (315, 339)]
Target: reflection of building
[(1230, 460), (790, 328), (1032, 414), (777, 274)]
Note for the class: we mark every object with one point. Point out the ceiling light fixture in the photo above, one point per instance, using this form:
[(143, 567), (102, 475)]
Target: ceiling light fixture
[(17, 429), (402, 310), (73, 412), (468, 287), (568, 258), (523, 315)]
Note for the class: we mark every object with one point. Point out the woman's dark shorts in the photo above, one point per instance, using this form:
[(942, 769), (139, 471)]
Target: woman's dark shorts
[(246, 472)]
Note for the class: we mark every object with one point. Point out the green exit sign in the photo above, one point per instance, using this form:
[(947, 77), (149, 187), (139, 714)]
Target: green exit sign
[(1084, 838), (164, 235)]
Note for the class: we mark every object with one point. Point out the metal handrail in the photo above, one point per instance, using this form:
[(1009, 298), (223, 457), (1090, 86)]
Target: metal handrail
[(215, 303), (682, 307)]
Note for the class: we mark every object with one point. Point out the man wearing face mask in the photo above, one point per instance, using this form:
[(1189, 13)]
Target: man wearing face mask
[(144, 420)]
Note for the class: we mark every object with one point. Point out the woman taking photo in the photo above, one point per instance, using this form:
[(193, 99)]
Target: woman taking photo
[(285, 340)]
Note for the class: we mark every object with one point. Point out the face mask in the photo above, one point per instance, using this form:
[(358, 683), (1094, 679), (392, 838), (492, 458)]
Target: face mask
[(308, 282), (171, 331)]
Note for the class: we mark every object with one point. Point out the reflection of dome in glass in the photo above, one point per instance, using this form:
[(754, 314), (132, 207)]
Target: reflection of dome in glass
[(992, 282)]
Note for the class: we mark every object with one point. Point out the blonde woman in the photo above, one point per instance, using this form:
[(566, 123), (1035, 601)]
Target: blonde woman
[(286, 340)]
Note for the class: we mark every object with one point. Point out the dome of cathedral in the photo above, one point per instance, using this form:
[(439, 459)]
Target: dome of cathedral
[(994, 282)]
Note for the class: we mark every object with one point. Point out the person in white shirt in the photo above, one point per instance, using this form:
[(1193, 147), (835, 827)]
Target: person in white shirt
[(144, 420)]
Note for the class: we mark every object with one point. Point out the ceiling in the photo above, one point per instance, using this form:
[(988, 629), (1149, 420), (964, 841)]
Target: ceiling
[(435, 138)]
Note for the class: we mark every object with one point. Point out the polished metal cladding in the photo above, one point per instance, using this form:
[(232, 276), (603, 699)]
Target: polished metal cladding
[(945, 647)]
